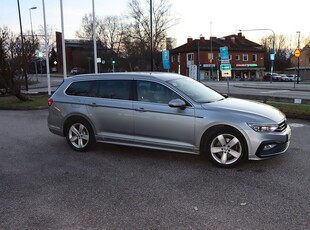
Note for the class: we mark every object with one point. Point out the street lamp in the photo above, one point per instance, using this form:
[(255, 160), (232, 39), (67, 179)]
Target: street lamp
[(272, 56), (46, 50), (32, 8), (35, 63)]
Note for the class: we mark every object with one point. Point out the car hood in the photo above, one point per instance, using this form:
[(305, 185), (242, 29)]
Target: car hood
[(246, 107)]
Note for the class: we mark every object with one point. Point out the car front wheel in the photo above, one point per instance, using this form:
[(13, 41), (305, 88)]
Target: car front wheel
[(79, 135), (226, 147)]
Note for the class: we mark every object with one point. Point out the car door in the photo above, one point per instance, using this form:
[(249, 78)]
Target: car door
[(156, 124), (111, 110)]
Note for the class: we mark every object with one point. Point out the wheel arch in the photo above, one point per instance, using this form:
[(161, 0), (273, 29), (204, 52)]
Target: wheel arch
[(76, 117), (209, 131)]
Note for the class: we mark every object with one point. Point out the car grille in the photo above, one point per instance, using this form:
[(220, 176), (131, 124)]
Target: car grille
[(282, 126)]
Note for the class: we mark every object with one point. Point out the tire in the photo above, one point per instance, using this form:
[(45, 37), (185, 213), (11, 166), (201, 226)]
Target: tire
[(226, 147), (79, 135)]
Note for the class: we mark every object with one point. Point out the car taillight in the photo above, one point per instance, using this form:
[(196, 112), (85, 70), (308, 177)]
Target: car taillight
[(50, 102)]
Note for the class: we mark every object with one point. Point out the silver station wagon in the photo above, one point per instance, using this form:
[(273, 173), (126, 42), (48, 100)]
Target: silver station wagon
[(165, 111)]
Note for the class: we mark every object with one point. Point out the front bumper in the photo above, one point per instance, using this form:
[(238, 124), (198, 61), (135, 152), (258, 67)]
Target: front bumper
[(272, 145)]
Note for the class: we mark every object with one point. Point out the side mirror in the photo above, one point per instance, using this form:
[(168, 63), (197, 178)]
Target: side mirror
[(177, 103)]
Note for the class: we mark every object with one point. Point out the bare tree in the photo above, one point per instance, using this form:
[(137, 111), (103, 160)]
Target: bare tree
[(281, 49), (138, 34), (11, 57), (109, 31)]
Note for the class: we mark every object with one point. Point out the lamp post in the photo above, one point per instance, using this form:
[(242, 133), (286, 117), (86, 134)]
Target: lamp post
[(35, 63), (46, 56), (32, 8), (272, 56)]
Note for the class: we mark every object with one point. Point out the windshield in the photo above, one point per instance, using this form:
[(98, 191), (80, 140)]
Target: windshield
[(196, 90)]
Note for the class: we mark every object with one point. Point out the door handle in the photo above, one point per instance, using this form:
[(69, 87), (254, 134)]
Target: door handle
[(140, 110), (94, 104)]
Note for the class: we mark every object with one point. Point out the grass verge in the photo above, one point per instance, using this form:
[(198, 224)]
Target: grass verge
[(36, 101)]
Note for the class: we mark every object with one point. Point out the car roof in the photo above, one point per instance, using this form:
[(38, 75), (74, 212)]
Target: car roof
[(163, 76)]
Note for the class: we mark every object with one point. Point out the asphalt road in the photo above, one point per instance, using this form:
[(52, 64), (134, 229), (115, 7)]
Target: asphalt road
[(46, 185)]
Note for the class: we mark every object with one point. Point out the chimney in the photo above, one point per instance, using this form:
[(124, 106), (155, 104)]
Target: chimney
[(189, 39)]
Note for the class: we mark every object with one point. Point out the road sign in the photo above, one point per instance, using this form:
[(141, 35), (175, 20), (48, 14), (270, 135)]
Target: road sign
[(224, 52), (193, 71), (226, 73), (225, 67), (165, 57), (297, 53), (225, 61)]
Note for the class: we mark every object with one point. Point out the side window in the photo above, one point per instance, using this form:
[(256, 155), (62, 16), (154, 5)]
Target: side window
[(115, 89), (154, 92), (81, 88)]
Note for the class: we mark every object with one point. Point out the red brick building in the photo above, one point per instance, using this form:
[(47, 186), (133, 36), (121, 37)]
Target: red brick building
[(80, 53), (246, 57)]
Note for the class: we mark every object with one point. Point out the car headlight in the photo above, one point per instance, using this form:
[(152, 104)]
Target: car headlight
[(263, 127)]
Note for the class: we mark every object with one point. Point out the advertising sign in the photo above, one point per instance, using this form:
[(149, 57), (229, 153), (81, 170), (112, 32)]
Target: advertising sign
[(165, 57)]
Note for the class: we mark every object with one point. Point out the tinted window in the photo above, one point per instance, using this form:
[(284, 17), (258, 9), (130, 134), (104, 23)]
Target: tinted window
[(81, 88), (115, 89), (154, 92)]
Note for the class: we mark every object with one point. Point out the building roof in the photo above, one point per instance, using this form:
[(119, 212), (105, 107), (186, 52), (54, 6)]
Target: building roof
[(233, 42)]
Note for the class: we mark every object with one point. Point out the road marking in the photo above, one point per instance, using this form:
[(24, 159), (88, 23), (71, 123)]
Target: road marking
[(296, 125)]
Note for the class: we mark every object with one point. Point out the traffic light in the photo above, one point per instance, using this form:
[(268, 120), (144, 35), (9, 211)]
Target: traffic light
[(113, 61), (210, 60)]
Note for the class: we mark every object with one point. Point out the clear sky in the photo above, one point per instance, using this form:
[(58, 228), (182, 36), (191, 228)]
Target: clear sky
[(197, 17)]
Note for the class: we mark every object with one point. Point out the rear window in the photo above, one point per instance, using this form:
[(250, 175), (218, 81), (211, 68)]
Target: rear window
[(113, 89), (81, 88)]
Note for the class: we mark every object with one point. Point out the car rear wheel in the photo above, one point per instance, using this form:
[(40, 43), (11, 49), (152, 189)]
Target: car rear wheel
[(79, 135), (226, 147)]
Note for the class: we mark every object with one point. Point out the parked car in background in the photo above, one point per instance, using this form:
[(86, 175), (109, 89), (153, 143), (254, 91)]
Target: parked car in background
[(275, 77), (293, 77), (284, 77), (77, 70), (165, 111)]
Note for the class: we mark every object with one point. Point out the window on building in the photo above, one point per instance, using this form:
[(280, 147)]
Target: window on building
[(245, 57), (230, 57), (237, 57), (190, 57), (254, 57)]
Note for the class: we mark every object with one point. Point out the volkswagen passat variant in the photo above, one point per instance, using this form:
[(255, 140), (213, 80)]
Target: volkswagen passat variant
[(165, 111)]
